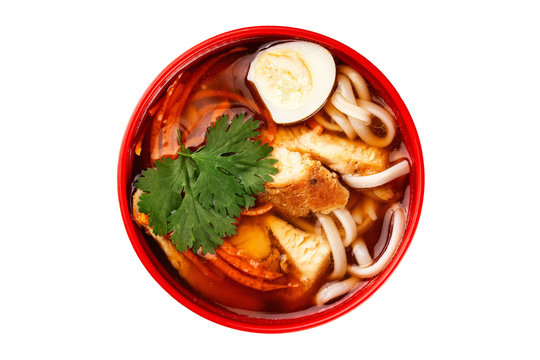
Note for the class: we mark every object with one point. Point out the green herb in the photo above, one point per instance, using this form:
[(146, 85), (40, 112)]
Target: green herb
[(197, 196)]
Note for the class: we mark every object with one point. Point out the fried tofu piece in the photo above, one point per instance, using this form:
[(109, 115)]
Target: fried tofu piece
[(308, 252), (303, 186), (340, 154)]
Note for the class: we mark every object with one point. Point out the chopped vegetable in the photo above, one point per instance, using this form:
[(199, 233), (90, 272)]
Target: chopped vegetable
[(249, 266), (143, 219), (315, 126), (263, 209), (238, 276), (196, 261), (197, 196)]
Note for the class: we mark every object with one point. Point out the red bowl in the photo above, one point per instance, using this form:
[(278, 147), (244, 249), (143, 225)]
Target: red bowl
[(271, 323)]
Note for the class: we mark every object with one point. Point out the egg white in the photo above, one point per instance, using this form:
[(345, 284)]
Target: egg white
[(294, 79)]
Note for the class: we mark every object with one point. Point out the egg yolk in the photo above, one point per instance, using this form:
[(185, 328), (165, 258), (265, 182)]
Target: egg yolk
[(284, 78)]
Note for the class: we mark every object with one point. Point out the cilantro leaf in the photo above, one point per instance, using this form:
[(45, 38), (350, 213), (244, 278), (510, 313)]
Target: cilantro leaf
[(254, 155), (163, 187), (235, 141), (193, 227), (197, 196), (231, 161)]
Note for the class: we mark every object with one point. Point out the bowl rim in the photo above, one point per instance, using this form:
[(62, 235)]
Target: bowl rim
[(126, 156)]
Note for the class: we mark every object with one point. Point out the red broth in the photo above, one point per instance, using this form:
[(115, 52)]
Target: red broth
[(211, 87)]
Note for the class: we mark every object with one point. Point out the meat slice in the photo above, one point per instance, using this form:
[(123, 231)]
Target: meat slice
[(303, 186), (308, 252), (339, 154)]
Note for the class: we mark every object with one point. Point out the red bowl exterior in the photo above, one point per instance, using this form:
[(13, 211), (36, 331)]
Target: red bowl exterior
[(209, 310)]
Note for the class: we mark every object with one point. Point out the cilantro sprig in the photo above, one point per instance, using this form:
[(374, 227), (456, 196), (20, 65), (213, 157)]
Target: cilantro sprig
[(197, 196)]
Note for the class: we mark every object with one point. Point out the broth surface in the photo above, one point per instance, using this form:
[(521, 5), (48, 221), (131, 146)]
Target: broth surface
[(209, 88)]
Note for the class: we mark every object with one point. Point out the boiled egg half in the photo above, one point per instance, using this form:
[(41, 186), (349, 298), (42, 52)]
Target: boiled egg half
[(294, 79)]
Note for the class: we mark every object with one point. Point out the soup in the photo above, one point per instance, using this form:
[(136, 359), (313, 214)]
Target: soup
[(331, 215)]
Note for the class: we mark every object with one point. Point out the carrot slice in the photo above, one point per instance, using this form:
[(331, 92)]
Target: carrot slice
[(315, 126), (230, 249), (138, 146), (263, 209), (195, 260), (143, 219), (243, 279), (251, 267), (157, 122), (154, 109)]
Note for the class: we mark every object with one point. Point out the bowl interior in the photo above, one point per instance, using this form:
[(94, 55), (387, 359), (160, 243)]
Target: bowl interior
[(152, 256)]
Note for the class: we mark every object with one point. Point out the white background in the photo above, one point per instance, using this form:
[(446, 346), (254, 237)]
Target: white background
[(71, 284)]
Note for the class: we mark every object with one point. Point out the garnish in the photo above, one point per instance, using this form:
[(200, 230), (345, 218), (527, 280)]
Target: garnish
[(197, 196)]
